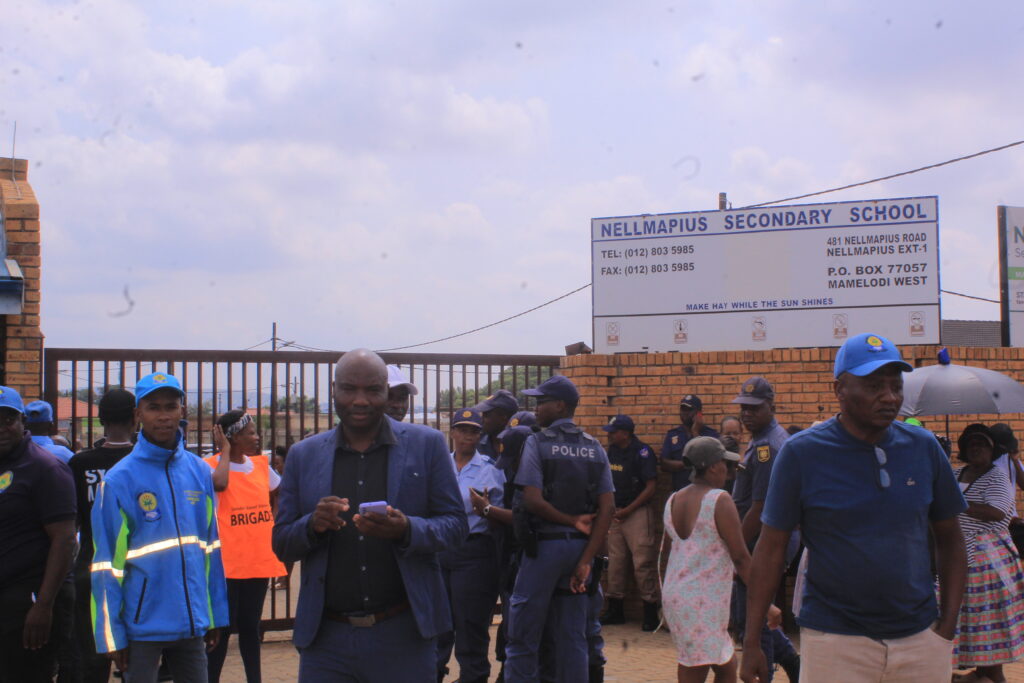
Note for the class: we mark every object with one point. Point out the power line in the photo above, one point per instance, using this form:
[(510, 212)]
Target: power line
[(890, 177), (968, 296), (484, 327), (752, 206)]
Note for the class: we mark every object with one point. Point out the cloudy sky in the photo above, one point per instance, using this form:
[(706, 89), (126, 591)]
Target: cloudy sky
[(383, 173)]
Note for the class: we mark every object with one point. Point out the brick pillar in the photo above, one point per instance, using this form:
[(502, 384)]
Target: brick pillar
[(22, 343)]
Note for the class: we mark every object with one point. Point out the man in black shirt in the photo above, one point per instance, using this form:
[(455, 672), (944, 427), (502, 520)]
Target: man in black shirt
[(116, 412), (372, 601), (37, 544)]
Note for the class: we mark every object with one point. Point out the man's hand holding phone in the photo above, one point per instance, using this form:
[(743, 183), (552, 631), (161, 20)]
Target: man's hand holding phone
[(327, 515)]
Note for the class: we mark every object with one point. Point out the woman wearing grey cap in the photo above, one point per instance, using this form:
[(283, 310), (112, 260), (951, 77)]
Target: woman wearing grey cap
[(707, 546)]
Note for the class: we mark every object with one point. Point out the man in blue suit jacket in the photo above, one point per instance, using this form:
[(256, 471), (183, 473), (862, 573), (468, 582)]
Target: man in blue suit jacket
[(372, 599)]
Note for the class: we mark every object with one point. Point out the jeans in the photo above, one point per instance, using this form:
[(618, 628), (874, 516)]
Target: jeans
[(186, 659)]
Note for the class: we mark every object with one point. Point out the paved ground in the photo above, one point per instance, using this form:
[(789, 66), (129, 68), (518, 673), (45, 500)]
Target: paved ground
[(633, 657)]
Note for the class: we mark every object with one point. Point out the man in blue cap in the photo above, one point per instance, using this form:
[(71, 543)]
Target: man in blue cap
[(866, 491), (497, 409), (567, 486), (632, 533), (39, 421), (37, 544), (691, 424), (157, 577)]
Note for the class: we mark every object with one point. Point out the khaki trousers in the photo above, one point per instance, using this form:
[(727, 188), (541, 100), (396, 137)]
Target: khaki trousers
[(633, 537), (924, 657)]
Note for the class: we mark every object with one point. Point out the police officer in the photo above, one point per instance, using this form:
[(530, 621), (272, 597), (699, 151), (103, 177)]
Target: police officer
[(471, 571), (497, 409), (567, 486), (632, 534), (757, 413), (691, 424)]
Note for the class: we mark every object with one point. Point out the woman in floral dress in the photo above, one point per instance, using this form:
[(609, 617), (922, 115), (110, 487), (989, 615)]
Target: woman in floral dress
[(707, 546)]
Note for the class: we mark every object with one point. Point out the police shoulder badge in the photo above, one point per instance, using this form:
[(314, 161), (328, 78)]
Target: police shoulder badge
[(644, 452), (675, 439), (513, 422), (764, 453), (148, 503), (5, 480)]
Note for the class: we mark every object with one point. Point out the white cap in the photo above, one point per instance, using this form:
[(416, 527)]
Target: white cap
[(397, 378)]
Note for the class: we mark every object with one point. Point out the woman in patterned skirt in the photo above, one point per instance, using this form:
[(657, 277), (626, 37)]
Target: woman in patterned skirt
[(707, 545), (991, 629)]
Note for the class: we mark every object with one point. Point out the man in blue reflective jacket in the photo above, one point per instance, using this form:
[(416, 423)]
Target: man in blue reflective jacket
[(157, 578)]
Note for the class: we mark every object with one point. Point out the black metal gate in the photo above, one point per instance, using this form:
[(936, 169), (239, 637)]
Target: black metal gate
[(288, 394)]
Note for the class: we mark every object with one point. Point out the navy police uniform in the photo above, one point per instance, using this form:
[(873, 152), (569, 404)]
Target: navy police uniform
[(676, 439), (634, 536), (751, 487), (502, 399), (571, 469)]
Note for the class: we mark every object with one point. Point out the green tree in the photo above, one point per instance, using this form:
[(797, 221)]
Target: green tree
[(519, 378)]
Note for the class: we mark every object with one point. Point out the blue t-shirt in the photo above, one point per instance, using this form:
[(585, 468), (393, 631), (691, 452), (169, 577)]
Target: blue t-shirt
[(65, 454), (869, 570), (531, 470)]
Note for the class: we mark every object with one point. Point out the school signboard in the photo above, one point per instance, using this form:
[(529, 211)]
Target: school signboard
[(1011, 273), (760, 278)]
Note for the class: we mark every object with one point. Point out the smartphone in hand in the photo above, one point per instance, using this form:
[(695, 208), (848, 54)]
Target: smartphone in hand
[(380, 507)]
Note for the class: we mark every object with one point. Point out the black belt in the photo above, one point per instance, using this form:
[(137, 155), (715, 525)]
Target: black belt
[(562, 536), (367, 619)]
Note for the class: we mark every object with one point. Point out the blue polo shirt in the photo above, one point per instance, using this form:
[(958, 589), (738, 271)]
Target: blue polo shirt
[(481, 475), (868, 570), (65, 454)]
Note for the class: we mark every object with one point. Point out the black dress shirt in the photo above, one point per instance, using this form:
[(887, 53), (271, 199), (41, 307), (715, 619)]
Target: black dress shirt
[(362, 571)]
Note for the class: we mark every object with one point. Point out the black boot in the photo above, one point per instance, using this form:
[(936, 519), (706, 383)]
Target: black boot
[(614, 614), (651, 619), (596, 672)]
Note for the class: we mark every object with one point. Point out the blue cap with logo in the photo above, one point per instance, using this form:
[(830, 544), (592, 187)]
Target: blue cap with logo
[(691, 401), (865, 353), (620, 422), (38, 411), (154, 382), (557, 387), (523, 418), (10, 398), (502, 399), (468, 416), (754, 392)]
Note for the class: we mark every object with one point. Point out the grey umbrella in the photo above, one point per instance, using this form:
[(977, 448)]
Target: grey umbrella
[(947, 389)]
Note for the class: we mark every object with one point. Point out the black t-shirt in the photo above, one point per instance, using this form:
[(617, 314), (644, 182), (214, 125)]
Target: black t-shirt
[(35, 490), (88, 469)]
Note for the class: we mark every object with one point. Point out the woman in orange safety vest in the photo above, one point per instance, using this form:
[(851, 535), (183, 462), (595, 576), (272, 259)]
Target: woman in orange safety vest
[(246, 489)]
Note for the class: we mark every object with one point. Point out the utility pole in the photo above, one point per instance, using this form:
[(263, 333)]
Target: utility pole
[(273, 390)]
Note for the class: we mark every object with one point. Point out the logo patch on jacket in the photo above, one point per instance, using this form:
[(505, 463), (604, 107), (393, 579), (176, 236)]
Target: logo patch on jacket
[(764, 453), (5, 480), (645, 452), (148, 503)]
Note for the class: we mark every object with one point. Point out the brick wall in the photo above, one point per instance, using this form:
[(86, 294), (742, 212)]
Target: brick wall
[(23, 343), (647, 387)]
